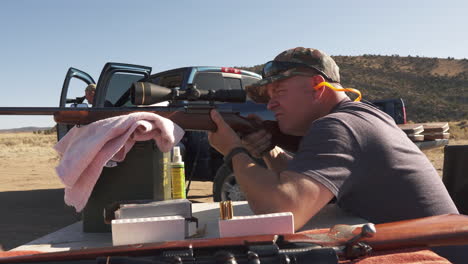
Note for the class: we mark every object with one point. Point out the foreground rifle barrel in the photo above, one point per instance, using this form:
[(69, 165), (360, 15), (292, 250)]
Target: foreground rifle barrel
[(187, 118), (442, 230)]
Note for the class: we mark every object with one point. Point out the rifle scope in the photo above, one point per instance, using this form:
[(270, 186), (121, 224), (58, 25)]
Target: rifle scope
[(146, 93)]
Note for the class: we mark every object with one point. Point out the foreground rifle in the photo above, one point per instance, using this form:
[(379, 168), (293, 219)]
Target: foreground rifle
[(341, 242), (144, 94)]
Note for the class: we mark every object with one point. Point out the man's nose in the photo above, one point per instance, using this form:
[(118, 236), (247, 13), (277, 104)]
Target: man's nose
[(272, 104)]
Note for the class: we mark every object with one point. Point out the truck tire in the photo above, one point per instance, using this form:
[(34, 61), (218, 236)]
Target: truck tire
[(225, 186)]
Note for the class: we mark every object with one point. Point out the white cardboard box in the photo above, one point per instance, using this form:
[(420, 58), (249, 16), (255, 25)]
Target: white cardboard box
[(147, 230), (264, 224)]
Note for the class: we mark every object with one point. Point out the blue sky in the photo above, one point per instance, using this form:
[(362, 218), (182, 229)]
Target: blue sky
[(40, 40)]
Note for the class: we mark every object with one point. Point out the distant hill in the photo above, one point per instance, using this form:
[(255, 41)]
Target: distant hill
[(433, 89), (25, 129)]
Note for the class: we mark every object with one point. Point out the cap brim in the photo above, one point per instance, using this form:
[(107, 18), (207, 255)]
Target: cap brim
[(257, 91)]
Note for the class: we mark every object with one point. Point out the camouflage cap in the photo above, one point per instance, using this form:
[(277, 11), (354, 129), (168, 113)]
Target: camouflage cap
[(310, 58)]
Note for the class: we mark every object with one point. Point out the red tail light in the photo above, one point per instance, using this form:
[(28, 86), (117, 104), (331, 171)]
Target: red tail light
[(230, 70)]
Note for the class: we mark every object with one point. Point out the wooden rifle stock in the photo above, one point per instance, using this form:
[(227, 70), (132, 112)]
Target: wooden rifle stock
[(187, 118), (442, 230), (432, 231)]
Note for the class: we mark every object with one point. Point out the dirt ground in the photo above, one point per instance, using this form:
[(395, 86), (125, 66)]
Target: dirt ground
[(31, 198)]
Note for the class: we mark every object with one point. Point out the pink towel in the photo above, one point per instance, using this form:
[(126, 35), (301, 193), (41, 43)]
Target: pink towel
[(85, 150)]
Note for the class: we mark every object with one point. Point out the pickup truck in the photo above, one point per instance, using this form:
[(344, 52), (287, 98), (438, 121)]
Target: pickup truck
[(202, 162)]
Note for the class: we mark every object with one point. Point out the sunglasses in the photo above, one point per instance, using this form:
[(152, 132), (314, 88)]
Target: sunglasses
[(273, 68)]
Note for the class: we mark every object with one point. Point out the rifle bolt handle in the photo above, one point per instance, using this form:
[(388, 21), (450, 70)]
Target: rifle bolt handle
[(368, 230)]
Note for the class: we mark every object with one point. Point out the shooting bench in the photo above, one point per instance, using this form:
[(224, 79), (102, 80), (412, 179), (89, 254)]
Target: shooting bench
[(72, 237)]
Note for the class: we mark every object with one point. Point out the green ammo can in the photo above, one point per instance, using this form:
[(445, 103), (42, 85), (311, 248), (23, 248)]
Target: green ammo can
[(138, 177)]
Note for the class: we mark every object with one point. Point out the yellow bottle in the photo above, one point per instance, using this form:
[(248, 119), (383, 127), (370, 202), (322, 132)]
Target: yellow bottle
[(167, 179), (178, 175)]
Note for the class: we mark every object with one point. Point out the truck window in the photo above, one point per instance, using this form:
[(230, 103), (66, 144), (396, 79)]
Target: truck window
[(170, 81), (119, 84), (210, 81), (232, 84), (248, 80)]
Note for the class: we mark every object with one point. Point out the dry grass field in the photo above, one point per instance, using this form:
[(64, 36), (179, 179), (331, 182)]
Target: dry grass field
[(31, 195), (27, 162)]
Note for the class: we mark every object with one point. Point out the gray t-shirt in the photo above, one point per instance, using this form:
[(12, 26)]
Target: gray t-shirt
[(370, 165)]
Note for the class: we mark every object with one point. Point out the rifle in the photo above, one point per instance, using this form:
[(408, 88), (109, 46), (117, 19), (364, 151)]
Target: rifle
[(196, 117), (342, 242)]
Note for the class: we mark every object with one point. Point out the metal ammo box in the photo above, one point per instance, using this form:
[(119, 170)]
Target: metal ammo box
[(138, 177)]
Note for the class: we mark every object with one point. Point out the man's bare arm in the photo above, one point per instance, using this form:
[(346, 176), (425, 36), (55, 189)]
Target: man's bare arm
[(270, 192)]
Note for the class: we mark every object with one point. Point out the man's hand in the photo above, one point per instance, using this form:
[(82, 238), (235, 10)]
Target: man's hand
[(224, 139), (257, 143)]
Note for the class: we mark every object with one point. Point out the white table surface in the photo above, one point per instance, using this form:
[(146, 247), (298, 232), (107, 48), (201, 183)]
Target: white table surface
[(72, 236)]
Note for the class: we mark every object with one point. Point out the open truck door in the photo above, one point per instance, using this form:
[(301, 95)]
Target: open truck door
[(114, 81), (73, 94)]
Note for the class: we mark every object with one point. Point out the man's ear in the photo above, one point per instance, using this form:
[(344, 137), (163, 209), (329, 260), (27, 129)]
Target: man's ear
[(318, 91), (316, 80)]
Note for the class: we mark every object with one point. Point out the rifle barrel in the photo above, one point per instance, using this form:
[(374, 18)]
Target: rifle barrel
[(187, 118), (29, 110), (54, 110)]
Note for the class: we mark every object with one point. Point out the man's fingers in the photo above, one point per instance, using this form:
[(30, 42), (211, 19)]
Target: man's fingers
[(257, 139), (266, 140), (217, 118), (256, 136), (257, 143), (255, 118)]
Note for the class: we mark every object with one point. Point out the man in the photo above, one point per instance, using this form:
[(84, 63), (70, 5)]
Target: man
[(89, 93), (350, 151)]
